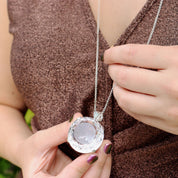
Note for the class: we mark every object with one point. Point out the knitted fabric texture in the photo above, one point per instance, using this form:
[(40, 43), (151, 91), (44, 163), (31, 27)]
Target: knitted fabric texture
[(53, 66)]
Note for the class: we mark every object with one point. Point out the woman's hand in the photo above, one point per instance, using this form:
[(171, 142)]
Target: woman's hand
[(40, 157), (146, 83)]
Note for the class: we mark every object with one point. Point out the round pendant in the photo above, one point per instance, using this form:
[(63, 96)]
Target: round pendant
[(85, 135)]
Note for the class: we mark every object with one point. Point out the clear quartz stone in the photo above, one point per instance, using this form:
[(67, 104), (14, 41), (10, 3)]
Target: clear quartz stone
[(85, 135)]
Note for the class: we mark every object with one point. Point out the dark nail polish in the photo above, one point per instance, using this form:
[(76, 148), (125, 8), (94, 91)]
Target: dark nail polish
[(92, 159), (107, 148), (102, 57), (70, 120)]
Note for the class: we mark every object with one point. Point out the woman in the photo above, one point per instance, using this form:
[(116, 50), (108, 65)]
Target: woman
[(52, 64)]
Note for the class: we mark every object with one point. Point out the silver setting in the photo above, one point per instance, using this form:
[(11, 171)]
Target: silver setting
[(98, 116), (85, 135)]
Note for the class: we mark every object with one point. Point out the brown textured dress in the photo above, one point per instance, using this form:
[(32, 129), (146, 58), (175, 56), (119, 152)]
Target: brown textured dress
[(53, 64)]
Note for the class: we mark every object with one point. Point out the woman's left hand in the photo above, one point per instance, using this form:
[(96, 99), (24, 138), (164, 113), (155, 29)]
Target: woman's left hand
[(146, 83)]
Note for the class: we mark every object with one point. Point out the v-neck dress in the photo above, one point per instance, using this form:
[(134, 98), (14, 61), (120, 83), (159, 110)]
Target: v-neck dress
[(53, 66)]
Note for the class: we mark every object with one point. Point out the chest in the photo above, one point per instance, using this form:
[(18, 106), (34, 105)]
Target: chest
[(115, 16), (53, 52)]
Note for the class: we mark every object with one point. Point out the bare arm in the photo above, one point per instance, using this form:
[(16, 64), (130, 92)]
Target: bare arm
[(13, 129), (37, 154)]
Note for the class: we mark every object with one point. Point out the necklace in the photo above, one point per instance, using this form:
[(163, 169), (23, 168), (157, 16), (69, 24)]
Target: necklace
[(86, 134)]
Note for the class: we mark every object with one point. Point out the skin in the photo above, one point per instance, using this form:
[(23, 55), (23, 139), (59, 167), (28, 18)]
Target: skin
[(37, 154), (150, 96), (44, 159), (147, 95), (115, 16)]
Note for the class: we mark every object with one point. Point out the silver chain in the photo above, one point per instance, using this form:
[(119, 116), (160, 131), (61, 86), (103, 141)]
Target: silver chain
[(99, 115), (97, 54)]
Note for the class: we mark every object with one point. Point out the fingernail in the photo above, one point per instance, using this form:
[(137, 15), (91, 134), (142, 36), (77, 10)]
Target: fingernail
[(92, 159), (105, 53), (70, 120), (107, 148)]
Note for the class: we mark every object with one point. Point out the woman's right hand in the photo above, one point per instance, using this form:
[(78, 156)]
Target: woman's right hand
[(39, 156)]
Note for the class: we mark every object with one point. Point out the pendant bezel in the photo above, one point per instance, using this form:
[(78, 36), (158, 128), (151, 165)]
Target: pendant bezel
[(88, 147)]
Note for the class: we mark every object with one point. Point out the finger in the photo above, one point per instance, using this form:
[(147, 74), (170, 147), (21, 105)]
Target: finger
[(79, 166), (137, 79), (154, 122), (76, 116), (61, 161), (42, 174), (97, 169), (55, 135), (137, 103), (158, 123), (107, 168), (146, 56)]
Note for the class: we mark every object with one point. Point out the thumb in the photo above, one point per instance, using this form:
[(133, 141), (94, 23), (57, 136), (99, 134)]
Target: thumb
[(55, 135)]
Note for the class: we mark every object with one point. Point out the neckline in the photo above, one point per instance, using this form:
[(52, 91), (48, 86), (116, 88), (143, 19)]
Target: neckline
[(91, 22)]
